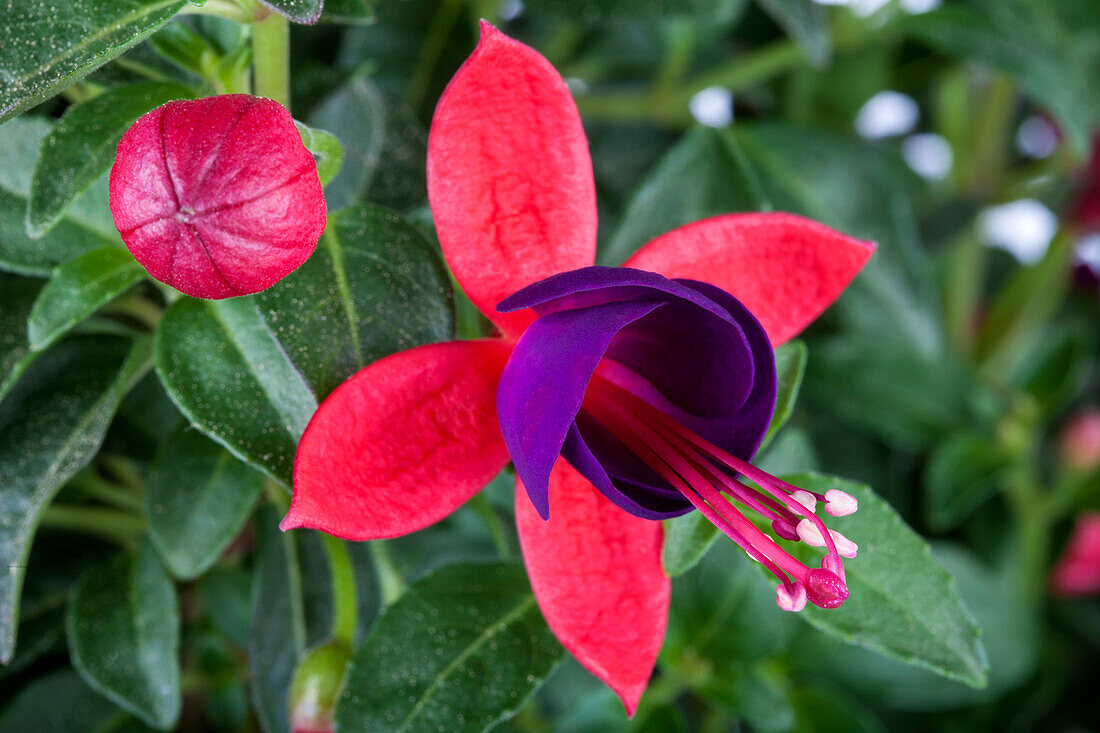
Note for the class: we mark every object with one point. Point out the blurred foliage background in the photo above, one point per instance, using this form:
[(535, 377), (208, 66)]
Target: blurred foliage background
[(954, 376)]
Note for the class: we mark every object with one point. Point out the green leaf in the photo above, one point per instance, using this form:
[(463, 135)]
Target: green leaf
[(78, 289), (705, 174), (123, 632), (326, 149), (299, 11), (51, 425), (81, 147), (806, 22), (197, 499), (57, 702), (385, 145), (1011, 633), (790, 365), (48, 46), (485, 651), (688, 537), (17, 296), (87, 225), (962, 473), (374, 286), (901, 602), (223, 367), (242, 370)]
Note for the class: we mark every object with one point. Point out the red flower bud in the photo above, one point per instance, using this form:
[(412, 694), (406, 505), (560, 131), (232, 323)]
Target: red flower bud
[(217, 197), (315, 688)]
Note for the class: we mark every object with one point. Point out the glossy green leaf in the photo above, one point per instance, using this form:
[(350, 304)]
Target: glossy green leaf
[(963, 472), (299, 11), (57, 702), (1010, 632), (326, 149), (78, 289), (48, 46), (806, 22), (123, 632), (790, 365), (704, 174), (374, 286), (485, 651), (87, 225), (51, 424), (901, 602), (197, 499), (17, 296), (688, 537), (226, 371), (81, 147)]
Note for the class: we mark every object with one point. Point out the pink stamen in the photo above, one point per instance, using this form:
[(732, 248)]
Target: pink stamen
[(694, 467)]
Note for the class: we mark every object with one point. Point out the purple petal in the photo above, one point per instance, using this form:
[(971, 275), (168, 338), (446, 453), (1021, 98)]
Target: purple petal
[(701, 358), (543, 385)]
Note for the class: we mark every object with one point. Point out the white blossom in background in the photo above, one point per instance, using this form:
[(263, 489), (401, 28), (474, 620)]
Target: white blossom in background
[(887, 114), (1024, 228), (929, 155), (916, 7), (712, 107), (1087, 251), (1037, 137), (511, 9)]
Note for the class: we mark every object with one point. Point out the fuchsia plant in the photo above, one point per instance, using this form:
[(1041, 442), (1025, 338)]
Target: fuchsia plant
[(217, 197), (622, 395)]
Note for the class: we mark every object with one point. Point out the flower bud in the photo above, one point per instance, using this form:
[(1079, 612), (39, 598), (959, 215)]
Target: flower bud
[(316, 686), (217, 197), (1079, 442)]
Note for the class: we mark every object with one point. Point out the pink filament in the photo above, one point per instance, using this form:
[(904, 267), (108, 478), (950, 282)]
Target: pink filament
[(690, 464)]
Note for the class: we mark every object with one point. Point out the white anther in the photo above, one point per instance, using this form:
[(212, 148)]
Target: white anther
[(788, 601), (844, 546), (840, 503), (806, 499), (809, 533)]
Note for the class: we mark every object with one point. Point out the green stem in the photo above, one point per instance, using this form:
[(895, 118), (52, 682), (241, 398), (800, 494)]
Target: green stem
[(117, 496), (125, 470), (430, 51), (389, 579), (141, 309), (271, 58), (111, 524), (492, 522), (345, 602)]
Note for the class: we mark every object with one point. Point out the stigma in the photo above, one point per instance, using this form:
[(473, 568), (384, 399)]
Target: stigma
[(717, 484)]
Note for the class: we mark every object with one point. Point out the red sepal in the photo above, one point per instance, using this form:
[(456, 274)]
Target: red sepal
[(596, 572), (401, 444), (509, 176), (786, 269)]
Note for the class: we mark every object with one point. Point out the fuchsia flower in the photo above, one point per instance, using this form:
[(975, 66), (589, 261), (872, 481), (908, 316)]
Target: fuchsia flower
[(217, 197), (622, 395)]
